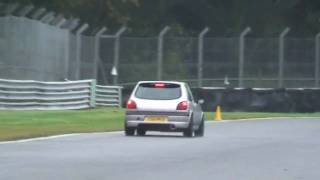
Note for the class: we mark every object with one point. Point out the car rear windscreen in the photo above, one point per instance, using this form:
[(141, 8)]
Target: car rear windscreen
[(158, 91)]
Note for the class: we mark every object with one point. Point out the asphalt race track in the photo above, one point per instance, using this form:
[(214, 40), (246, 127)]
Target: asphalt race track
[(282, 149)]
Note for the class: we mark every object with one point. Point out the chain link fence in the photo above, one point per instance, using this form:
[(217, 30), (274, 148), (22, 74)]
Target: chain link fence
[(220, 62), (30, 49), (138, 61)]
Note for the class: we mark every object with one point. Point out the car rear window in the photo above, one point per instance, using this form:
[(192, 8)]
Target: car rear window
[(158, 91)]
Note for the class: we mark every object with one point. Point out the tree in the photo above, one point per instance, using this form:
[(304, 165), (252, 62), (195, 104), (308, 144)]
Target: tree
[(189, 17)]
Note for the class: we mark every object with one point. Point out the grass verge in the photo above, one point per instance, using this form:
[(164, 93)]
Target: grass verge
[(28, 124)]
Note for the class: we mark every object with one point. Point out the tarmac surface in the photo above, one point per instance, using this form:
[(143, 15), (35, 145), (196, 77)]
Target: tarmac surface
[(278, 149)]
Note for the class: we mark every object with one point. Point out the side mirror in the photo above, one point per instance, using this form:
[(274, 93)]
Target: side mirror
[(200, 101)]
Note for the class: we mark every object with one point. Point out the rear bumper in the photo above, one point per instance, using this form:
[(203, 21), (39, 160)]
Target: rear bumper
[(177, 121)]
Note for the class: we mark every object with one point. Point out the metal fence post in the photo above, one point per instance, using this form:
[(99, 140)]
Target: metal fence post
[(37, 14), (200, 55), (67, 57), (241, 54), (116, 53), (96, 58), (60, 23), (160, 51), (57, 18), (47, 17), (78, 50), (281, 56), (25, 10), (71, 24), (317, 60)]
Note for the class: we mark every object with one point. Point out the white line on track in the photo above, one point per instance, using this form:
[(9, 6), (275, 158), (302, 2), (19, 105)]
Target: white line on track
[(252, 119), (118, 132), (38, 139), (54, 137)]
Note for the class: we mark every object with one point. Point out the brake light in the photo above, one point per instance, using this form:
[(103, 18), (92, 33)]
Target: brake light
[(131, 104), (184, 105), (159, 85)]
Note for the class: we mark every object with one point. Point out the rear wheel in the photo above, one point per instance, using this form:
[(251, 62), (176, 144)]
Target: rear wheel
[(200, 131), (129, 131), (189, 131), (141, 132)]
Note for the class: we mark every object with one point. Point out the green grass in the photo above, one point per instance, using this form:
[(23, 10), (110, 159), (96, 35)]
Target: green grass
[(28, 124)]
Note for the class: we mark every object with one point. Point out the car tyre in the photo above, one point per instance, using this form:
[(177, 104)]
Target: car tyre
[(200, 131), (141, 132), (129, 131), (189, 131)]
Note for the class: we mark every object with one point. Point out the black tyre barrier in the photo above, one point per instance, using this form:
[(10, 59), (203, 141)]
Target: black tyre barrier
[(254, 100), (261, 100)]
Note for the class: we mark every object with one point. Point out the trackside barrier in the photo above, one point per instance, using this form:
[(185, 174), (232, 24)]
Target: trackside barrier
[(260, 99), (108, 95), (36, 95), (27, 95), (254, 99)]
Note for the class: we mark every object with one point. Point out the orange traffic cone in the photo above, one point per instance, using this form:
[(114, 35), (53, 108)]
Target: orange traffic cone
[(218, 116)]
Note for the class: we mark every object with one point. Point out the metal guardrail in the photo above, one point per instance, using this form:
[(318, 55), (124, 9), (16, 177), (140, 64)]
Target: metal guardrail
[(36, 95), (108, 95)]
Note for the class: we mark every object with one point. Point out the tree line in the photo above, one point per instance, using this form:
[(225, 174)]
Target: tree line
[(189, 17)]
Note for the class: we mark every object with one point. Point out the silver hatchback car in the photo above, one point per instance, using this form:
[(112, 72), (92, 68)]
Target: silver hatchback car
[(166, 106)]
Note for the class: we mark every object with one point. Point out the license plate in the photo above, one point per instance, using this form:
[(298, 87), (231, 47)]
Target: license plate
[(158, 119)]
